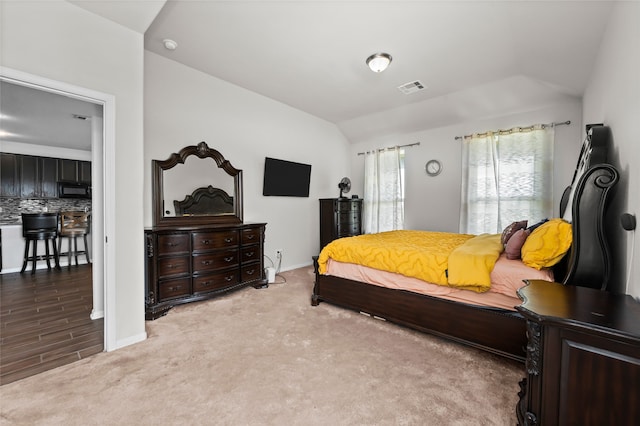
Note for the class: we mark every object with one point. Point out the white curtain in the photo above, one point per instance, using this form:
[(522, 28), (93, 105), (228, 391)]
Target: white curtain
[(507, 176), (383, 190)]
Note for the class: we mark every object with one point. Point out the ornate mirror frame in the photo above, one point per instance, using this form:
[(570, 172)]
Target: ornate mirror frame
[(202, 151)]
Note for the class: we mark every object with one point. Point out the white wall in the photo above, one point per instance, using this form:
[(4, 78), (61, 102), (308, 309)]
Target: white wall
[(613, 98), (433, 203), (184, 106), (59, 41)]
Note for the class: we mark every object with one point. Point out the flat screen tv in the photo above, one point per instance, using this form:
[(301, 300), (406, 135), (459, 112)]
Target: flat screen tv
[(286, 178)]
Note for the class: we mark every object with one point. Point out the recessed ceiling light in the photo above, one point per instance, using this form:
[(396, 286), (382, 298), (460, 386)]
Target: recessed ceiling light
[(169, 44)]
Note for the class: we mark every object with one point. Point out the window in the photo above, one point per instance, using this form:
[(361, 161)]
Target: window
[(383, 190), (507, 177)]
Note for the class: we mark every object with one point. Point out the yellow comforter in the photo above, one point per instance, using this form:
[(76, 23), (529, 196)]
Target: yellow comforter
[(456, 260)]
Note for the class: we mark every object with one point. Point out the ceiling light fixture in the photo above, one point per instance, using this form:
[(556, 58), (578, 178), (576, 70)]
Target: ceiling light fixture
[(379, 62), (169, 44)]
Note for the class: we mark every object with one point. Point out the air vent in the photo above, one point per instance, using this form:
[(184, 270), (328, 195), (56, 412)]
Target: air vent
[(414, 86)]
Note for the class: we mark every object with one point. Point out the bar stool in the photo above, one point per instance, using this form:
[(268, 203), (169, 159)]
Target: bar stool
[(35, 227), (72, 226)]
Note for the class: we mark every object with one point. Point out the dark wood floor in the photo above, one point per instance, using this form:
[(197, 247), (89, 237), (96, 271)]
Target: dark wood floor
[(44, 321)]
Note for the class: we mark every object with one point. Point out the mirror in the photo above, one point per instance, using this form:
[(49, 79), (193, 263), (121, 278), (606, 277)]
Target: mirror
[(196, 186)]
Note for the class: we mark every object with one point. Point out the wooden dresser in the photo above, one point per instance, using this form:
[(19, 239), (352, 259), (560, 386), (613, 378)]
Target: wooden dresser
[(339, 217), (189, 264), (583, 357)]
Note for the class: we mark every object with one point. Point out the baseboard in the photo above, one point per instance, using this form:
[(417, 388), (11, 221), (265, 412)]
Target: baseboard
[(96, 314), (40, 265), (131, 340), (292, 267)]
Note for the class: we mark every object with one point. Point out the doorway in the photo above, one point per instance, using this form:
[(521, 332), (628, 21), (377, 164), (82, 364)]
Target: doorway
[(103, 195)]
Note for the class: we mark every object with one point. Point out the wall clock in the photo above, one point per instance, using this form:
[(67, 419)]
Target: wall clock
[(433, 167)]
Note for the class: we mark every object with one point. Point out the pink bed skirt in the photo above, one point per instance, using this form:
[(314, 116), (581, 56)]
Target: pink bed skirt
[(506, 277)]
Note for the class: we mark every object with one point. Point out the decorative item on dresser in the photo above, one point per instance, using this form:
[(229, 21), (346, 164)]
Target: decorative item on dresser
[(200, 249), (339, 217), (583, 356)]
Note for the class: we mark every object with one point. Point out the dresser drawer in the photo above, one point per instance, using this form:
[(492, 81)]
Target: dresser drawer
[(173, 244), (214, 239), (172, 266), (348, 217), (348, 229), (250, 254), (215, 281), (251, 236), (251, 272), (216, 260), (171, 289), (343, 206)]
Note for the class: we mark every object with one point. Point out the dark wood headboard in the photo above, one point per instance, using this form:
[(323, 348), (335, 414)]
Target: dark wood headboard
[(205, 201), (584, 204)]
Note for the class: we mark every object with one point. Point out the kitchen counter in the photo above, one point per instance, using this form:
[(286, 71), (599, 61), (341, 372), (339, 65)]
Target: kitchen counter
[(11, 222), (13, 248)]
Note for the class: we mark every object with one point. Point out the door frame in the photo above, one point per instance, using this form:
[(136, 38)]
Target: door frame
[(103, 194)]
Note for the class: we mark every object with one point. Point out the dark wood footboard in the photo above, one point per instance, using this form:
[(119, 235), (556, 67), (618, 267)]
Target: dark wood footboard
[(498, 331)]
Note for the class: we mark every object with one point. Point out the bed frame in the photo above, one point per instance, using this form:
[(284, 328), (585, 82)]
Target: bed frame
[(492, 329)]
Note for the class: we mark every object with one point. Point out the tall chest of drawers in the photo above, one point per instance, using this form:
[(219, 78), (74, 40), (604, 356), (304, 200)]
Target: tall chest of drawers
[(339, 217), (192, 264)]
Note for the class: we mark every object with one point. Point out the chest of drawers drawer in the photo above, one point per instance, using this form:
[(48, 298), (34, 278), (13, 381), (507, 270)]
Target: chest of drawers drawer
[(173, 266), (251, 272), (173, 244), (251, 236), (250, 254), (215, 281), (170, 289), (215, 260), (203, 241)]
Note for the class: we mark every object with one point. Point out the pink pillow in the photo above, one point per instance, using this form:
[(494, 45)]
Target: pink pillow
[(515, 243), (511, 229)]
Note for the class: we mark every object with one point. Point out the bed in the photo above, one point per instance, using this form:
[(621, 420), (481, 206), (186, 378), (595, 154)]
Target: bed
[(206, 200), (487, 319)]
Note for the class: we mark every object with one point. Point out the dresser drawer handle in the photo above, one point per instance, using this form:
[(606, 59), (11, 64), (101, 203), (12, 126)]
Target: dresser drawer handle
[(251, 271), (249, 254), (206, 262), (250, 237), (205, 242), (205, 284), (228, 240), (172, 244), (228, 259), (229, 278), (171, 266), (176, 288)]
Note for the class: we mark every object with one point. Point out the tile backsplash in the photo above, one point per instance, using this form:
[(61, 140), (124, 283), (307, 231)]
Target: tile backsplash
[(12, 208)]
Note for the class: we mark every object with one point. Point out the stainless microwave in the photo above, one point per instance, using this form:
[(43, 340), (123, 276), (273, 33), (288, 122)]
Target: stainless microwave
[(74, 190)]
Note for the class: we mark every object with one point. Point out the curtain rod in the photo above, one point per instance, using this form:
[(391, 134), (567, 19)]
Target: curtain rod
[(515, 129), (390, 147)]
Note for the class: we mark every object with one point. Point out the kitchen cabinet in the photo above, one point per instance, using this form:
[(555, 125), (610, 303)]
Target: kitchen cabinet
[(9, 175), (29, 176)]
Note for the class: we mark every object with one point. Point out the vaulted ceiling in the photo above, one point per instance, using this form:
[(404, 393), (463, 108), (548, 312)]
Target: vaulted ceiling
[(475, 58)]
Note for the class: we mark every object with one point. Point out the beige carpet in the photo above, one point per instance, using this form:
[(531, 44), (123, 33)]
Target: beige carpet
[(267, 357)]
